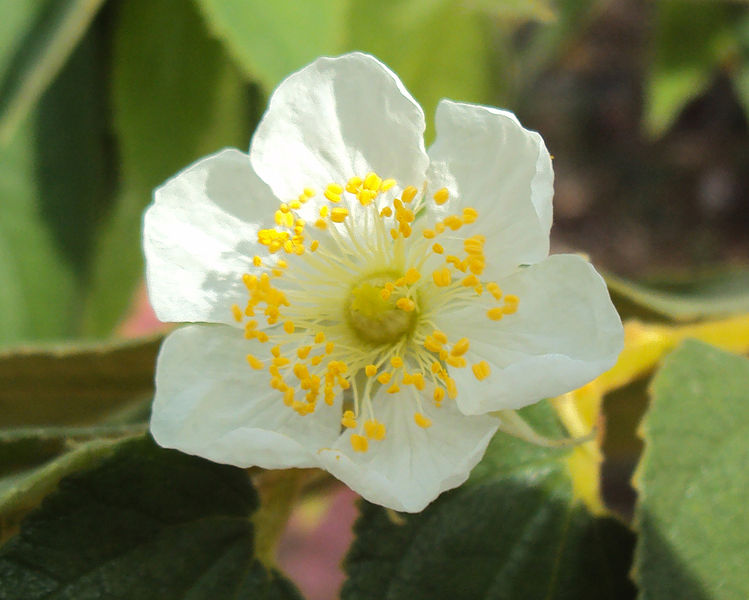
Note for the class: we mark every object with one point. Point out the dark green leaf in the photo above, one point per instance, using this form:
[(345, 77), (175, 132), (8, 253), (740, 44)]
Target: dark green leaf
[(692, 479), (513, 531), (23, 490), (40, 54), (176, 97), (271, 39), (147, 523), (709, 294), (73, 385), (55, 182)]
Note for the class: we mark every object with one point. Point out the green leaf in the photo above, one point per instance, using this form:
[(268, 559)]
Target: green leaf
[(437, 47), (271, 39), (38, 58), (55, 182), (517, 10), (692, 478), (708, 294), (513, 531), (23, 490), (679, 71), (74, 384), (176, 97), (147, 523)]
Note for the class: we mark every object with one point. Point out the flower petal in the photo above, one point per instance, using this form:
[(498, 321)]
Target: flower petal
[(412, 465), (489, 162), (337, 118), (210, 403), (200, 235), (565, 332)]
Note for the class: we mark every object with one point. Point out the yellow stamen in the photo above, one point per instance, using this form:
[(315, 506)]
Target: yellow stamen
[(374, 430), (348, 419), (370, 370), (412, 276), (422, 421), (460, 347), (409, 194), (442, 277), (338, 214), (481, 370), (359, 443), (236, 312), (255, 363), (441, 196)]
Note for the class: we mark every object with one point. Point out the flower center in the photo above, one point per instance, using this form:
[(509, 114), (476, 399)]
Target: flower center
[(373, 313), (355, 314)]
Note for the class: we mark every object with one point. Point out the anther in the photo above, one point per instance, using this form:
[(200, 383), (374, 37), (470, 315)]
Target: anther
[(359, 443), (254, 362), (481, 370), (348, 419), (374, 430), (409, 194), (422, 421), (460, 347), (236, 312), (441, 196), (338, 214)]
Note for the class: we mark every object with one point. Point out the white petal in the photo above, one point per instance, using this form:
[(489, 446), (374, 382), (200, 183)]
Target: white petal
[(488, 161), (336, 118), (412, 465), (210, 403), (200, 235), (565, 332)]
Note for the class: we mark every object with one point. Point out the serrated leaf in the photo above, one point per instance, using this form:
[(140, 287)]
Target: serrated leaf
[(55, 182), (513, 531), (709, 294), (272, 39), (147, 523), (437, 47), (692, 478), (176, 97), (51, 36), (690, 41), (73, 384)]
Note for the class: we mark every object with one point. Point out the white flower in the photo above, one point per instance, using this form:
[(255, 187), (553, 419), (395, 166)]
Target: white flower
[(361, 304)]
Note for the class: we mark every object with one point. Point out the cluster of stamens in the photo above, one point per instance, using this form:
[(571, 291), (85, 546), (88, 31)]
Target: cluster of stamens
[(384, 328)]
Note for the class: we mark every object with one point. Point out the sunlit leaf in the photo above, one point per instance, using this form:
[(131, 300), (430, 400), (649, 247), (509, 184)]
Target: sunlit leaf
[(692, 479), (272, 39), (176, 98), (437, 47)]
